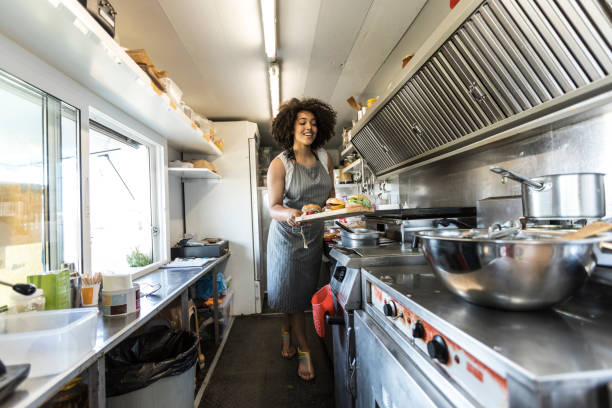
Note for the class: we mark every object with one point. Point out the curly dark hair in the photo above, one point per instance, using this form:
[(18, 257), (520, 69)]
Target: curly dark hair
[(284, 122)]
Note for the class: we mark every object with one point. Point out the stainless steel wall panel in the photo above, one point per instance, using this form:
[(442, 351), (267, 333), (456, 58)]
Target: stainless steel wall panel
[(428, 105), (572, 40), (589, 33), (554, 42), (442, 71), (512, 45), (447, 98), (439, 105), (509, 68), (489, 83), (536, 40), (533, 67)]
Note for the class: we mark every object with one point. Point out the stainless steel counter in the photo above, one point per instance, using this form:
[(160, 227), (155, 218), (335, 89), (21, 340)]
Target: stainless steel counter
[(111, 331), (568, 341)]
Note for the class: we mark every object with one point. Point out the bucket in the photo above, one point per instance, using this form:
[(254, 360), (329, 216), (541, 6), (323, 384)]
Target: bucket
[(322, 304)]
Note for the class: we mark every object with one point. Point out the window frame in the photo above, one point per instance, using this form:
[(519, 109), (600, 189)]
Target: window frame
[(157, 187)]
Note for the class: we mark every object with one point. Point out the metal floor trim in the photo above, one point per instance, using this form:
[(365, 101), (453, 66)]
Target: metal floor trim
[(211, 370)]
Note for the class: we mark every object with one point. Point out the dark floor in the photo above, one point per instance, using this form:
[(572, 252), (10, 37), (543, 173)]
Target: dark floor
[(252, 373)]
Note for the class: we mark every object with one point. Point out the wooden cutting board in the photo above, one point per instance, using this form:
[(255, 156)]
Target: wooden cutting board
[(335, 214)]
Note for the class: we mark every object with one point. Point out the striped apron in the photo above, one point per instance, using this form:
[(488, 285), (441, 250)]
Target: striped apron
[(293, 270)]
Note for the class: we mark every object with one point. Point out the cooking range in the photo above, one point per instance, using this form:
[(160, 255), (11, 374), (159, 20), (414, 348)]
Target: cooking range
[(345, 285), (420, 345)]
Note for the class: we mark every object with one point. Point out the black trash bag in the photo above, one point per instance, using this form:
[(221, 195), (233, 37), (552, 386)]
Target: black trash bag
[(140, 361)]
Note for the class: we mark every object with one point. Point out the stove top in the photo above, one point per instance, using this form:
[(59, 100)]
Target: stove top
[(568, 340), (391, 253)]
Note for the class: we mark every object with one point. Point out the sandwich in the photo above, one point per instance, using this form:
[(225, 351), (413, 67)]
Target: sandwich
[(310, 209), (334, 204), (359, 200)]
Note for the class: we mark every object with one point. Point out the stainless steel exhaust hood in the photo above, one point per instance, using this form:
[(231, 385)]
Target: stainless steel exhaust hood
[(510, 62)]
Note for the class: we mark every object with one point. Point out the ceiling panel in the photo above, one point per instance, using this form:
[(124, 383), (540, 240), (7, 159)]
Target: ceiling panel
[(337, 28), (213, 50), (297, 24), (383, 27)]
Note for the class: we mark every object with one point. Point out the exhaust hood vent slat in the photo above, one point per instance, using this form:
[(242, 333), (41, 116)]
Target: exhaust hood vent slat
[(508, 57)]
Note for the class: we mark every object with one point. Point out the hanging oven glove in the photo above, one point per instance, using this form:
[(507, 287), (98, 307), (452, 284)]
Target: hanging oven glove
[(303, 237)]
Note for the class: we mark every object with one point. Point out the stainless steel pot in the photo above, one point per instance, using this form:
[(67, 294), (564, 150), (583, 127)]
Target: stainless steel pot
[(561, 196), (360, 237), (529, 271)]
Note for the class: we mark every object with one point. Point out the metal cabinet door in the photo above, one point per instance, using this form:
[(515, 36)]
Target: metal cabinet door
[(386, 377)]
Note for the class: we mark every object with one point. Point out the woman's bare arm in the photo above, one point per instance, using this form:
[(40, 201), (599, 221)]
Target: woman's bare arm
[(276, 187)]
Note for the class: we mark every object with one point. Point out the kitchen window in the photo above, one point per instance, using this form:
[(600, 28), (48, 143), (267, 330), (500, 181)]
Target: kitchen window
[(40, 193), (124, 214)]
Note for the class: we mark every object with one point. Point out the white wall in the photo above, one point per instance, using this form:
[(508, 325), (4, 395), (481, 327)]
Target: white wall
[(175, 198), (22, 64)]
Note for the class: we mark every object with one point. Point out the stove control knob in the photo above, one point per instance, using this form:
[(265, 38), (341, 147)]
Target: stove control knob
[(437, 349), (389, 309), (418, 332)]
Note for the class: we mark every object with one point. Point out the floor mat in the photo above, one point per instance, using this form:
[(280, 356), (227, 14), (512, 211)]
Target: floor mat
[(252, 373)]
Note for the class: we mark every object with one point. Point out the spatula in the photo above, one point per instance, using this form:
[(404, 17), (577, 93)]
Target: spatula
[(589, 230)]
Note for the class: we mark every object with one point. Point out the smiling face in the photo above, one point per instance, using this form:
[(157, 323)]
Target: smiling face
[(305, 128)]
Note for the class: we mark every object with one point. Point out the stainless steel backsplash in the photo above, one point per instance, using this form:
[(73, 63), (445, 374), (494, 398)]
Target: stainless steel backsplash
[(462, 180)]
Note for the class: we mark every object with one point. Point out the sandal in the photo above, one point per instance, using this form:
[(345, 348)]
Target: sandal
[(288, 353), (308, 375)]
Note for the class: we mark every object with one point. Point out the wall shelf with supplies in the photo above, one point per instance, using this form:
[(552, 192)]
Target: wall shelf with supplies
[(353, 167), (65, 35), (193, 173)]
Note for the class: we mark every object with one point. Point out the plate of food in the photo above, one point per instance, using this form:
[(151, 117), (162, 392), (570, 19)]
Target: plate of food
[(357, 204)]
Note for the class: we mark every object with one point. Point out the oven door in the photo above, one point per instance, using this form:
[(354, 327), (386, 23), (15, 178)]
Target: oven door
[(386, 375)]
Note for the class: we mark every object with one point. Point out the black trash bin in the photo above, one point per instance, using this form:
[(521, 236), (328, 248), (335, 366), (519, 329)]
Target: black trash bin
[(155, 369)]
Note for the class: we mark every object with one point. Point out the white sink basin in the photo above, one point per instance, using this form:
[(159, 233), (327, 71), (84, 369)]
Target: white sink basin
[(51, 341)]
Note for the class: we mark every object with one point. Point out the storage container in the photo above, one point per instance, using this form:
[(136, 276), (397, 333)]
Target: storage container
[(51, 341), (19, 303), (172, 89)]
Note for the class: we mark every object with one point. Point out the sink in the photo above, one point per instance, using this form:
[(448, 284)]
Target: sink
[(51, 341)]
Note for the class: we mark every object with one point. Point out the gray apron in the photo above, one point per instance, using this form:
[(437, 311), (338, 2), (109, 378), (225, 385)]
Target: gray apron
[(293, 270)]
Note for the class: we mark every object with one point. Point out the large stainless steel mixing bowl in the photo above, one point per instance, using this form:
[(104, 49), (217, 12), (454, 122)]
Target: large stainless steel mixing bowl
[(529, 271)]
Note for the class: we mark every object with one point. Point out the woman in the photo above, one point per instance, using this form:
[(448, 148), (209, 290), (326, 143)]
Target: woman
[(301, 174)]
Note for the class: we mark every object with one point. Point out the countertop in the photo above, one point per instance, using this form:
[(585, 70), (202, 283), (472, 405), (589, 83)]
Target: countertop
[(566, 341), (112, 330)]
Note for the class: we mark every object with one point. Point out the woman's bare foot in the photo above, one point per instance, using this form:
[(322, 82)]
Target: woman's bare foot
[(305, 367), (288, 350)]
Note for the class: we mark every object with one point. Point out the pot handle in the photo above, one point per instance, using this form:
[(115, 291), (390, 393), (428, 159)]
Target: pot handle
[(513, 176)]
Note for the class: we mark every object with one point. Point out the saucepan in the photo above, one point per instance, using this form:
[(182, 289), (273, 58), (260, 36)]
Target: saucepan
[(560, 196), (360, 237), (523, 272)]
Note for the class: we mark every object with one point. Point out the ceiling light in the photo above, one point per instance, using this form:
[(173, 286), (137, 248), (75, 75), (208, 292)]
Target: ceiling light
[(268, 16), (54, 3), (274, 74)]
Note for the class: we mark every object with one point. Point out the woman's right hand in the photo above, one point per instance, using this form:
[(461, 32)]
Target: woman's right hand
[(291, 214)]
